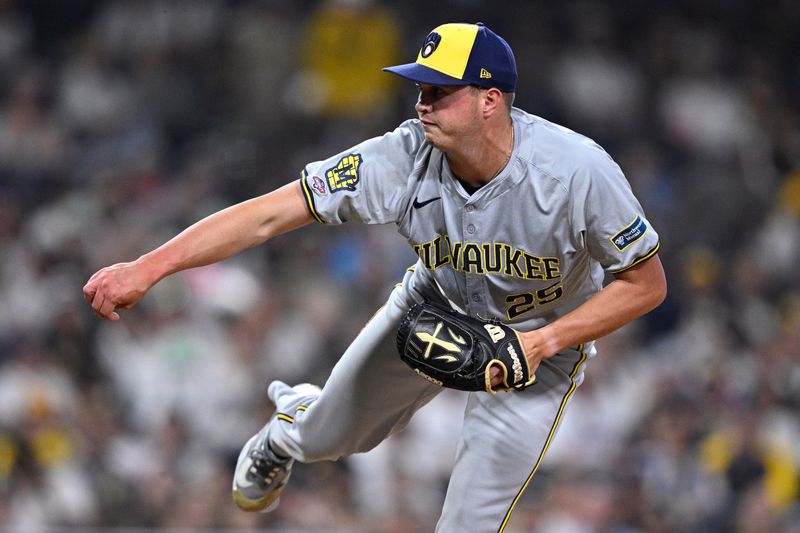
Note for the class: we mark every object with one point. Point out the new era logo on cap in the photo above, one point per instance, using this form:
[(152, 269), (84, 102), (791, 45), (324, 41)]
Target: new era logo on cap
[(462, 54)]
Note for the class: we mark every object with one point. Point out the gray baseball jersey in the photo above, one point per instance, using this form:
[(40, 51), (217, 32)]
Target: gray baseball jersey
[(526, 248)]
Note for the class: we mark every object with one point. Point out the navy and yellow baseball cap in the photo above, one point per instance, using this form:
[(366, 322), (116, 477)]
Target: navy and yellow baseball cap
[(462, 54)]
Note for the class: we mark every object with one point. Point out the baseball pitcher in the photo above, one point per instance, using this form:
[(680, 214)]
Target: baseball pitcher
[(515, 220)]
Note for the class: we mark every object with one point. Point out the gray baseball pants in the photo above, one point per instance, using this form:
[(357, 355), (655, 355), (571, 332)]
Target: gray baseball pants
[(371, 394)]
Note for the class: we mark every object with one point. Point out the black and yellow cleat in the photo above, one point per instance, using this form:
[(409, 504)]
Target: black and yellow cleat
[(260, 475)]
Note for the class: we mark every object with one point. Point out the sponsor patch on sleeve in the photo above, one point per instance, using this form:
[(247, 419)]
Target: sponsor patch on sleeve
[(344, 175), (630, 234), (318, 185), (309, 197)]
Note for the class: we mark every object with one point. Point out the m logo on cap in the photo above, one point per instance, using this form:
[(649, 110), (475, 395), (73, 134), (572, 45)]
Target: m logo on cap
[(431, 42), (458, 54)]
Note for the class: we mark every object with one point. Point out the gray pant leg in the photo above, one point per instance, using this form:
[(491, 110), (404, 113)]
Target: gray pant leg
[(370, 394), (504, 439)]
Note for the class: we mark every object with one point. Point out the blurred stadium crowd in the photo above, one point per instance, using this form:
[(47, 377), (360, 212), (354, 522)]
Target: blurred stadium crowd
[(123, 121)]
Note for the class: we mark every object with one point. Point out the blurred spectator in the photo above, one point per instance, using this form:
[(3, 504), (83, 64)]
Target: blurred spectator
[(342, 50)]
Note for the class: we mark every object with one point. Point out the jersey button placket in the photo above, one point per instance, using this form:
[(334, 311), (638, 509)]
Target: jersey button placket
[(475, 281)]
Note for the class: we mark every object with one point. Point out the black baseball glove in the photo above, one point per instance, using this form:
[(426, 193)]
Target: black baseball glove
[(457, 351)]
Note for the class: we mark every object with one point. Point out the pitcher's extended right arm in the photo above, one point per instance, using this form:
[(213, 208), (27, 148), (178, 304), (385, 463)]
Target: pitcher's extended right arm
[(212, 239)]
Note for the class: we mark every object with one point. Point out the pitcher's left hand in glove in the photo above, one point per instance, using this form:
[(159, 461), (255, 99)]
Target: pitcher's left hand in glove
[(459, 352)]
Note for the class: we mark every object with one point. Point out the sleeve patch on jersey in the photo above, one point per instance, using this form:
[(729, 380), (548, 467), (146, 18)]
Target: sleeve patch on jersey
[(319, 186), (344, 175), (629, 235), (309, 197)]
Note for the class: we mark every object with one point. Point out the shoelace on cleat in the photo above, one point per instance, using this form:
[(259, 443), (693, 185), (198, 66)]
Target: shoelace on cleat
[(261, 471)]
